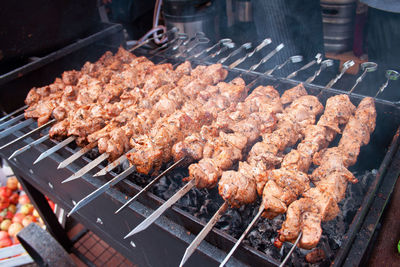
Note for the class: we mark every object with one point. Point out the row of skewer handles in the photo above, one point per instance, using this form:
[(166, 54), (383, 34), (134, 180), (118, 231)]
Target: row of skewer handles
[(173, 45), (180, 46)]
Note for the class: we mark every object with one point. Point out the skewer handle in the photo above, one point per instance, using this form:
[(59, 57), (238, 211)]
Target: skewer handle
[(291, 250)]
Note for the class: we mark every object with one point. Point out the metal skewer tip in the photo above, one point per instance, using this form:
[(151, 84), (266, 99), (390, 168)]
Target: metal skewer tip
[(28, 134), (157, 213), (87, 168), (54, 149), (144, 189), (391, 75), (89, 198), (25, 148), (260, 211), (196, 242), (76, 155), (291, 250)]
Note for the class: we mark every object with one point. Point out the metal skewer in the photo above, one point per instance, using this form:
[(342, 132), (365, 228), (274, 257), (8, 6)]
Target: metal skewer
[(16, 127), (89, 198), (325, 64), (260, 211), (13, 113), (266, 58), (223, 48), (54, 148), (318, 60), (76, 155), (179, 37), (113, 164), (196, 242), (291, 250), (243, 47), (172, 30), (292, 59), (346, 65), (28, 146), (390, 75), (206, 51), (144, 189), (200, 38), (181, 41), (367, 67), (28, 134), (158, 212), (87, 168), (264, 43), (9, 122)]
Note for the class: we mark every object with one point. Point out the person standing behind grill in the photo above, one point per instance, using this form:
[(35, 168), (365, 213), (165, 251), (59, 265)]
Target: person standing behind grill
[(295, 23)]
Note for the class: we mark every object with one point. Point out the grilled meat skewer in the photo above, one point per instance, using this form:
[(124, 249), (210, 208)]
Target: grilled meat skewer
[(319, 204)]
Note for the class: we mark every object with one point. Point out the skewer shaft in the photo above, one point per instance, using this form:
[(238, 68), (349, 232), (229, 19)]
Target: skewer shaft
[(16, 127), (25, 148), (76, 155), (258, 215), (157, 213), (10, 122), (13, 113), (113, 164), (89, 198), (149, 185), (28, 134), (204, 232), (87, 168), (291, 250), (54, 148)]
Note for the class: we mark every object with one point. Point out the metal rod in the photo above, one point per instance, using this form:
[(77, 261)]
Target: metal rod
[(9, 122), (244, 46), (157, 213), (390, 75), (200, 38), (157, 51), (367, 67), (267, 57), (291, 250), (16, 127), (76, 155), (54, 149), (13, 113), (260, 211), (89, 198), (348, 64), (25, 148), (318, 60), (144, 189), (200, 237), (28, 134), (87, 168), (325, 64), (222, 49), (145, 42), (250, 54), (183, 37), (222, 41), (113, 164), (293, 59)]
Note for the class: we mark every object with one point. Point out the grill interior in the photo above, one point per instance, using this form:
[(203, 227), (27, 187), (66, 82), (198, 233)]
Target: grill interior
[(197, 207)]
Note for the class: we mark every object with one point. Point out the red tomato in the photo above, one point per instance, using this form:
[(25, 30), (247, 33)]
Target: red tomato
[(14, 198), (18, 217), (4, 205), (14, 229), (12, 183), (27, 220), (6, 242), (3, 234), (9, 215), (5, 192), (23, 199)]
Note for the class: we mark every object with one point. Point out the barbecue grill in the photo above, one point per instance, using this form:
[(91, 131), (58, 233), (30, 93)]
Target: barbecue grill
[(166, 240)]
